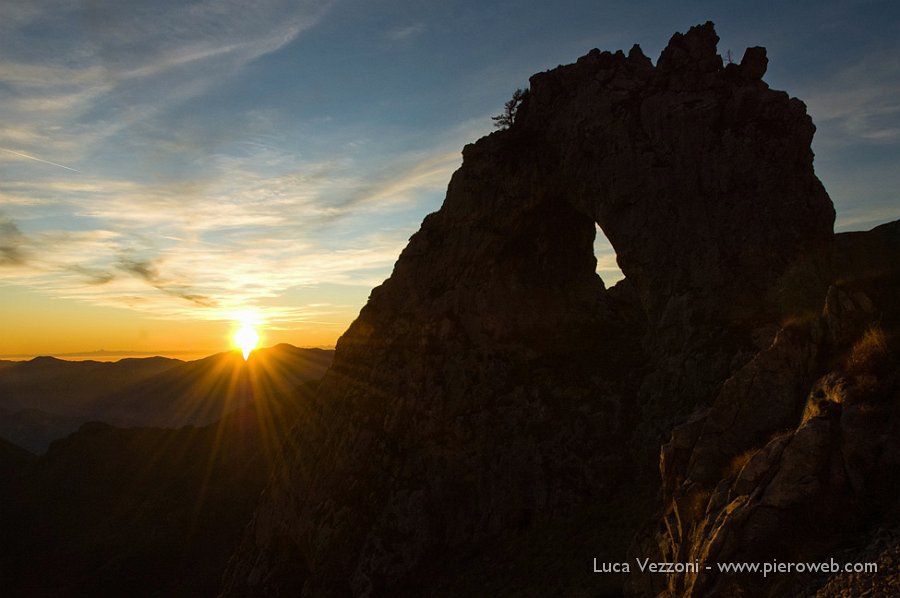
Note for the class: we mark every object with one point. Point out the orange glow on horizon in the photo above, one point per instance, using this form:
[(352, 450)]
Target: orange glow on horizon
[(35, 323)]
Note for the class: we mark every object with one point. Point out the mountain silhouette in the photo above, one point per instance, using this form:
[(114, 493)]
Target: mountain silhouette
[(46, 398), (70, 387), (138, 511)]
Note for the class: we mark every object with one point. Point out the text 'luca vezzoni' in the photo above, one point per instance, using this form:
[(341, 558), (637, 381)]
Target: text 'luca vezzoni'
[(646, 566)]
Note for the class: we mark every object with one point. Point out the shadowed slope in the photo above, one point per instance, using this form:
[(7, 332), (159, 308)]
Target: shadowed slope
[(139, 511)]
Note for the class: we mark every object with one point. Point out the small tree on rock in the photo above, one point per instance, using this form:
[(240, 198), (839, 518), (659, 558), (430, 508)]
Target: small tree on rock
[(505, 120)]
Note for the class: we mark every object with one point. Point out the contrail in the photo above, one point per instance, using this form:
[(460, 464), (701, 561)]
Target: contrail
[(21, 155)]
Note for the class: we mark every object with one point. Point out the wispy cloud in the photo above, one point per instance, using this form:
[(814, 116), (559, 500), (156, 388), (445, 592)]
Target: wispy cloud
[(93, 276), (83, 106), (36, 159), (251, 226), (126, 63), (406, 32), (118, 194), (860, 102), (11, 243), (856, 111)]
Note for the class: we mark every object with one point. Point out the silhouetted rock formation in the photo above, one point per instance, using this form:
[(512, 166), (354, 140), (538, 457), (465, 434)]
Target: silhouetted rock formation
[(492, 390)]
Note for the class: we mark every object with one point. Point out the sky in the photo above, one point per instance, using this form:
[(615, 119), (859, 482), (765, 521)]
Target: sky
[(170, 168)]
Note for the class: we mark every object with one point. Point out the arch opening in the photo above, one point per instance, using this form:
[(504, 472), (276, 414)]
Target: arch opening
[(607, 267)]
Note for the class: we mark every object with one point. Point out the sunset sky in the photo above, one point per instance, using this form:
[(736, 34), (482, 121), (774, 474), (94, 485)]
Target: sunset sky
[(167, 166)]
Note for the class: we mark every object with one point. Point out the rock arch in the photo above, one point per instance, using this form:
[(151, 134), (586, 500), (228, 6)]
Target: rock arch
[(493, 383)]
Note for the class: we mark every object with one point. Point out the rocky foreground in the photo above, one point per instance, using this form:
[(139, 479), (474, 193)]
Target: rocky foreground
[(496, 418)]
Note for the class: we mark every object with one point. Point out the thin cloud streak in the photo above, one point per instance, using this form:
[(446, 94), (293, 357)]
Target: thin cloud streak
[(406, 32), (859, 102), (26, 156), (132, 66)]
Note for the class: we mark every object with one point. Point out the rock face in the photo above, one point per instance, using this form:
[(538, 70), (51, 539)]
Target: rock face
[(798, 458), (493, 388)]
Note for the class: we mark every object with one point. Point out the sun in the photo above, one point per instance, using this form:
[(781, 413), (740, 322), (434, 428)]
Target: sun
[(246, 338)]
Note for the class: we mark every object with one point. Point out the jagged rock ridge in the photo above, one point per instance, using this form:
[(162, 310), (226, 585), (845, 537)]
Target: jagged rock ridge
[(798, 458), (493, 388)]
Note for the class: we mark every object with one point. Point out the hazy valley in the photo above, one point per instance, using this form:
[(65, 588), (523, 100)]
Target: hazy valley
[(46, 398), (140, 510)]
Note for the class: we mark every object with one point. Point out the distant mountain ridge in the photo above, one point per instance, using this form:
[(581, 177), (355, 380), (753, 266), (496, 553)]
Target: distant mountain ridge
[(47, 398), (68, 387), (141, 511)]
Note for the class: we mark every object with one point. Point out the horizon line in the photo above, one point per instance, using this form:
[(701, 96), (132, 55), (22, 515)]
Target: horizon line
[(101, 353)]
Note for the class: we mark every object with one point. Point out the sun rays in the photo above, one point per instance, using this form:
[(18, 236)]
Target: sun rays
[(246, 335), (246, 338)]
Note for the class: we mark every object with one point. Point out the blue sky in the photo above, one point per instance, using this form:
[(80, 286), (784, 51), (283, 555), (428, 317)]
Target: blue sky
[(178, 162)]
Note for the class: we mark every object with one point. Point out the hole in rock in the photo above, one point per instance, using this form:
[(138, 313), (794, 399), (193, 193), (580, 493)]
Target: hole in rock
[(607, 268)]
